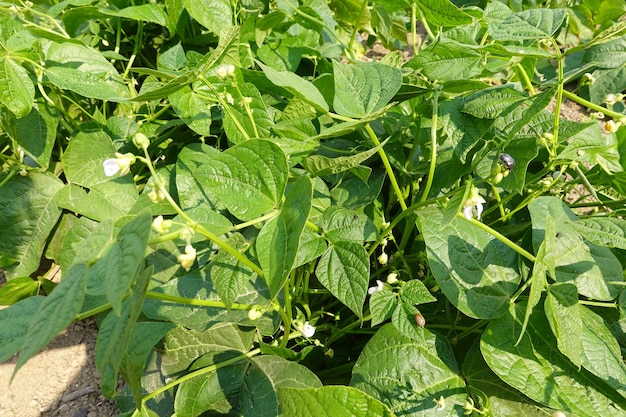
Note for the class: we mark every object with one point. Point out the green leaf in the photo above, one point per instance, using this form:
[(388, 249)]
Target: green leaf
[(340, 224), (363, 88), (278, 241), (527, 24), (115, 334), (407, 373), (188, 185), (492, 102), (17, 91), (311, 247), (330, 401), (215, 15), (609, 232), (229, 275), (443, 13), (18, 289), (87, 84), (297, 86), (248, 178), (146, 12), (590, 267), (382, 305), (238, 124), (607, 82), (36, 132), (56, 312), (319, 165), (16, 320), (592, 147), (415, 292), (78, 56), (108, 200), (536, 368), (475, 271), (83, 158), (344, 270), (27, 216), (143, 337), (562, 311), (464, 130), (354, 194), (182, 346), (607, 55), (446, 61)]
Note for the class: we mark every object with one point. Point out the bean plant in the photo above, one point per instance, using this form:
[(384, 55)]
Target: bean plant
[(267, 218)]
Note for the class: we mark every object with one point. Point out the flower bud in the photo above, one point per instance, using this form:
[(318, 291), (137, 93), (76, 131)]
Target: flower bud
[(141, 141), (186, 259), (255, 313), (161, 226), (383, 259)]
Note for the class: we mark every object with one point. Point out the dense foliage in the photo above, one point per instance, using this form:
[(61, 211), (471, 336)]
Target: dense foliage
[(265, 224)]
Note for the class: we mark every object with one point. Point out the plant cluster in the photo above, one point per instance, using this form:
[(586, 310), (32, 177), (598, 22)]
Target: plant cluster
[(264, 224)]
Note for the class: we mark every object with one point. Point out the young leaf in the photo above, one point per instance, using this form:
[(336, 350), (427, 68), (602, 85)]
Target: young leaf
[(563, 314), (24, 231), (215, 15), (344, 270), (592, 147), (278, 241), (238, 124), (415, 292), (191, 107), (319, 165), (363, 88), (477, 272), (56, 312), (382, 305), (347, 225), (406, 374), (17, 91), (228, 274), (248, 178), (330, 400), (536, 368), (18, 289)]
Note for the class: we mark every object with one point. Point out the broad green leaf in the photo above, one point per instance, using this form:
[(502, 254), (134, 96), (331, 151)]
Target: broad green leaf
[(354, 194), (118, 265), (382, 305), (226, 52), (87, 84), (36, 132), (464, 130), (527, 24), (608, 55), (193, 109), (592, 147), (447, 62), (278, 241), (182, 346), (563, 314), (297, 86), (27, 216), (18, 289), (363, 88), (17, 91), (330, 401), (56, 312), (340, 224), (601, 354), (491, 103), (248, 178), (210, 310), (215, 15), (228, 274), (108, 200), (115, 333), (612, 32), (311, 247), (443, 13), (190, 193), (475, 271), (146, 12), (83, 158), (319, 165), (16, 320), (143, 337), (608, 81), (504, 401), (415, 292), (609, 232), (239, 125), (406, 374), (172, 59), (344, 270), (523, 151), (80, 57), (590, 267), (536, 368)]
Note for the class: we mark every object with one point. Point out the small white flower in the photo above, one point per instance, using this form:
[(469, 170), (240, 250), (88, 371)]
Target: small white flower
[(392, 278), (229, 99), (383, 258), (610, 99), (588, 79), (186, 259), (156, 195), (475, 201), (121, 163), (611, 126), (255, 313), (379, 286), (441, 403), (161, 226), (308, 330), (224, 71)]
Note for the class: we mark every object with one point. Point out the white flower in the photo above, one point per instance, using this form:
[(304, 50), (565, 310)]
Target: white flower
[(379, 286), (255, 313), (161, 226), (441, 403), (588, 79), (475, 201), (610, 99), (156, 195), (392, 278), (224, 71), (186, 259), (383, 258), (121, 163), (308, 330), (611, 126)]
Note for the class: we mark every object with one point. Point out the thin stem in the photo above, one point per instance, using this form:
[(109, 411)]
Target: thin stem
[(613, 114), (526, 80), (559, 95), (586, 182), (433, 144), (388, 168), (197, 302)]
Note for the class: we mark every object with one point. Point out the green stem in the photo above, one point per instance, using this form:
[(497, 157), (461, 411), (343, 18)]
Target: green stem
[(195, 225), (136, 48), (559, 95), (585, 181), (433, 144), (501, 238), (390, 173), (201, 372), (613, 114), (196, 302), (526, 80)]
